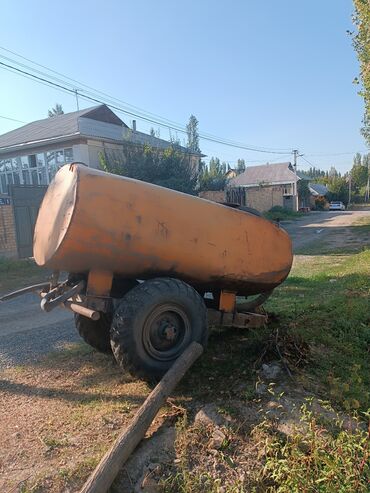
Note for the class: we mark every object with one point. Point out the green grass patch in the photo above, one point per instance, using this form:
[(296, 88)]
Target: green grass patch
[(325, 302), (283, 215), (317, 458), (15, 274)]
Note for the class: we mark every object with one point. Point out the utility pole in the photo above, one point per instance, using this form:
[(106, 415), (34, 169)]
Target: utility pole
[(295, 155), (349, 189), (76, 93)]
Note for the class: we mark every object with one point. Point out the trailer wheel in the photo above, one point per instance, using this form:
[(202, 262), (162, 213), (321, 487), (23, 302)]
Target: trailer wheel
[(95, 333), (153, 325)]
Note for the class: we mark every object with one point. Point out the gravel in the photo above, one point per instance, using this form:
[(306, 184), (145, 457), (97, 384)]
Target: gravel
[(28, 346), (27, 333)]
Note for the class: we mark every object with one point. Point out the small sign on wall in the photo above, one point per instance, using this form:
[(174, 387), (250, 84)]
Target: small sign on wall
[(4, 201)]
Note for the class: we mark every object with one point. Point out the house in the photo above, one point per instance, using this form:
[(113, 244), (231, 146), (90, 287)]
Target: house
[(32, 154), (267, 186), (231, 173), (318, 193)]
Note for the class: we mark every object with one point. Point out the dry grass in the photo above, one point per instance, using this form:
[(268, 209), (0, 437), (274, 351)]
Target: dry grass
[(59, 416)]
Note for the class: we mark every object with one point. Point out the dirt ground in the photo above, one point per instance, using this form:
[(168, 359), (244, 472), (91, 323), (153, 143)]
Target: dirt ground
[(62, 403)]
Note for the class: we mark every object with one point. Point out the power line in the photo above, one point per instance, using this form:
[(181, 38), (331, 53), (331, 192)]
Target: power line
[(307, 161), (338, 153), (164, 121), (11, 119), (62, 86)]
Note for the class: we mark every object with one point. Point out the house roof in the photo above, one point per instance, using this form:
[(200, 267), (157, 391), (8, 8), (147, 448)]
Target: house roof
[(98, 121), (278, 173), (57, 126), (318, 189)]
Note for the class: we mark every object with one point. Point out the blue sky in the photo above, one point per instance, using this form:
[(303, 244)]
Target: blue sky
[(272, 74)]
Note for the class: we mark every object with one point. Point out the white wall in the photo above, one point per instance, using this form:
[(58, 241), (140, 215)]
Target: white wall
[(81, 153)]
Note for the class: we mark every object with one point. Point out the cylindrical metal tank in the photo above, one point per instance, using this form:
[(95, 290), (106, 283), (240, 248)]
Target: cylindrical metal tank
[(94, 220)]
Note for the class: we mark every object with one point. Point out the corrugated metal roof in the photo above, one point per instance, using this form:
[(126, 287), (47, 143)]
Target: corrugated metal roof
[(267, 174), (98, 121), (56, 126), (318, 189)]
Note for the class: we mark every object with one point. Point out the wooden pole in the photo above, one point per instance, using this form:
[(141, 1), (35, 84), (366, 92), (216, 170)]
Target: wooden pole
[(106, 471)]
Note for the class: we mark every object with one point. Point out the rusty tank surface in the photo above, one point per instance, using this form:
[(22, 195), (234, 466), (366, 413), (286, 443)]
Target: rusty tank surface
[(147, 265), (91, 220)]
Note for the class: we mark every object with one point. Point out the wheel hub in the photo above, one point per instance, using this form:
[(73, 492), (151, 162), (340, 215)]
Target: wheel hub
[(166, 332)]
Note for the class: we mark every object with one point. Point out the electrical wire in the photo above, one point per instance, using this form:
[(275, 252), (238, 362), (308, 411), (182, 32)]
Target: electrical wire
[(166, 121), (61, 86), (12, 119)]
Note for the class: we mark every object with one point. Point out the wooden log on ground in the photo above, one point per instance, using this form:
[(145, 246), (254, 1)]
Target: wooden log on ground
[(107, 469)]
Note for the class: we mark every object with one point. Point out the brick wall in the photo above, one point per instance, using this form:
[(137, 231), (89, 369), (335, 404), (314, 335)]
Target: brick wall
[(8, 242), (264, 197), (215, 196)]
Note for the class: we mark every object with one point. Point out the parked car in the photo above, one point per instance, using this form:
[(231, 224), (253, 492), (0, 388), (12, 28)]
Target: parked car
[(337, 206)]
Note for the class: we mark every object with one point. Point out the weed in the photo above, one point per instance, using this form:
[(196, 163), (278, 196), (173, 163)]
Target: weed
[(314, 459), (324, 306)]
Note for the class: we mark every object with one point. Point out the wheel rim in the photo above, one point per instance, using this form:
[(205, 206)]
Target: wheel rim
[(166, 332)]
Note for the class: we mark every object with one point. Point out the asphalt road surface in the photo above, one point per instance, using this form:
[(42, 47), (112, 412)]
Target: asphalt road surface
[(317, 226), (26, 333)]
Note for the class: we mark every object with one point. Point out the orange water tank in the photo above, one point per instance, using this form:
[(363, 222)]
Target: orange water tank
[(91, 220)]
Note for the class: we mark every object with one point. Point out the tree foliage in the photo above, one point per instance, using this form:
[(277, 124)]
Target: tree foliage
[(361, 43), (165, 167), (213, 176), (193, 134), (338, 189), (240, 166), (359, 172), (57, 110)]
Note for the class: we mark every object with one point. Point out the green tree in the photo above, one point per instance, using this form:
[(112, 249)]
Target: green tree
[(193, 134), (168, 168), (361, 43), (359, 174), (338, 189), (213, 176), (57, 110), (303, 193), (240, 166)]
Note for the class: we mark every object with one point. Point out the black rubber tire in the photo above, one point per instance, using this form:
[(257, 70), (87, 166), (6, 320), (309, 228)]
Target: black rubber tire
[(95, 333), (130, 340)]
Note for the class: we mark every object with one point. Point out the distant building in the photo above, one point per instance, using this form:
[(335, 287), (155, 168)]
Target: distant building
[(318, 193), (32, 154), (231, 173), (268, 185)]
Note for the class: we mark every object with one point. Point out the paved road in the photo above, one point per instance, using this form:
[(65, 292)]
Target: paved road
[(316, 226), (27, 333)]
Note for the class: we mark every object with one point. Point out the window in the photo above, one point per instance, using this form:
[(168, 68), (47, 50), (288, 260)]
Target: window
[(50, 158), (40, 160), (24, 162), (68, 155), (34, 169), (3, 185), (287, 189), (59, 157), (32, 161)]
